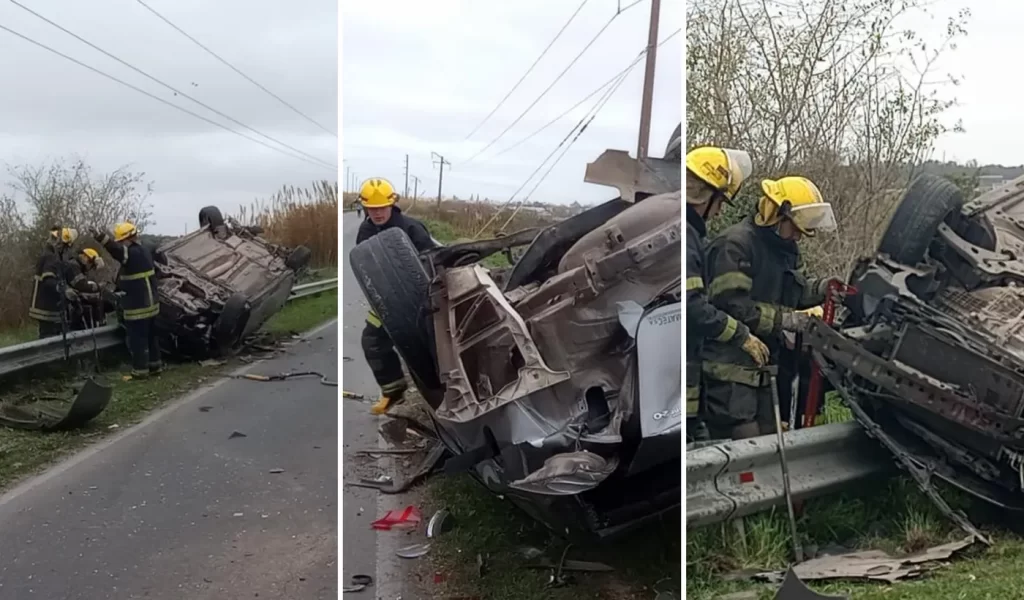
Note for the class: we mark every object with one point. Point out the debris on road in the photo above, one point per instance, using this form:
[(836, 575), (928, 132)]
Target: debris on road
[(873, 565), (358, 583), (205, 408), (236, 434), (212, 362), (286, 376), (431, 462), (440, 522), (413, 551), (352, 395), (407, 518), (276, 471)]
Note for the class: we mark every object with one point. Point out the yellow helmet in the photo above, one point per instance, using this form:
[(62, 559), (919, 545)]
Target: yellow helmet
[(64, 235), (123, 231), (377, 193), (723, 169), (796, 199), (91, 257)]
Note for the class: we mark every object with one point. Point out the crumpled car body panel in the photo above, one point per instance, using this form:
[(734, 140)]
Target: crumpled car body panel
[(205, 268)]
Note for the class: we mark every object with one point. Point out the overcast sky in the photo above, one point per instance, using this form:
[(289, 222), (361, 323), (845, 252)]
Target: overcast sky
[(53, 108), (421, 79), (989, 104)]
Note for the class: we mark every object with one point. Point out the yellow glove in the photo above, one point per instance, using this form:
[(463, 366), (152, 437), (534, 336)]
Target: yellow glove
[(757, 350), (814, 311)]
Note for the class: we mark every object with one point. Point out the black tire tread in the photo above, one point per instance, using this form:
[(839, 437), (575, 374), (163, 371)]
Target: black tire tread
[(388, 270), (924, 206)]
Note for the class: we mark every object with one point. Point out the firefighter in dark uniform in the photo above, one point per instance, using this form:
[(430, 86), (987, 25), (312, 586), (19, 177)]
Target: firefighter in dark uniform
[(378, 197), (713, 177), (88, 308), (755, 276), (139, 303), (49, 283)]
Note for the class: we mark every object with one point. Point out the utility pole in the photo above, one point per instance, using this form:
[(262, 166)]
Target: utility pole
[(440, 161), (415, 187), (347, 178), (406, 176), (648, 97)]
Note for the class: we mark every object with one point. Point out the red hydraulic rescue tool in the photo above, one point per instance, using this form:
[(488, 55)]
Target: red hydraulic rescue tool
[(836, 289)]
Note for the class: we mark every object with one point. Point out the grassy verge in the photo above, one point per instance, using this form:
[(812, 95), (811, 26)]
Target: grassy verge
[(24, 452), (494, 529), (893, 516)]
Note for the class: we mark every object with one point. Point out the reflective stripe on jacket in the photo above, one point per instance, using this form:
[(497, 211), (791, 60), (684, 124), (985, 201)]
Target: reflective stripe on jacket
[(137, 279), (46, 301)]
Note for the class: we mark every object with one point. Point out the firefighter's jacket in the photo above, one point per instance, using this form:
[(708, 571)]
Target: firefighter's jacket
[(704, 321), (46, 287), (137, 279), (754, 276)]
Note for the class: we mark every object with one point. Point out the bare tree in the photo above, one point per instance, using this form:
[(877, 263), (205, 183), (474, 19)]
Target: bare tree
[(65, 193), (843, 92)]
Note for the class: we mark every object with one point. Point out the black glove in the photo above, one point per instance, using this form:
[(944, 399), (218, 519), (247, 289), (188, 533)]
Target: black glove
[(101, 237)]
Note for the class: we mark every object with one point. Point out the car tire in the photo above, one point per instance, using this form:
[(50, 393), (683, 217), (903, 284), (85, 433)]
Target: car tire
[(388, 270), (210, 218), (928, 202), (299, 258), (227, 331)]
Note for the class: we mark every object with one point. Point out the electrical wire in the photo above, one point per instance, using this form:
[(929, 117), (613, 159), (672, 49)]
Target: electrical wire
[(236, 69), (153, 96), (552, 84), (611, 81), (576, 129), (600, 104), (170, 87), (529, 70)]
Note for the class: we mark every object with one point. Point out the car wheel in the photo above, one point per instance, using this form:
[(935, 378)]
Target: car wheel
[(396, 287), (210, 218), (298, 258), (928, 201), (230, 325)]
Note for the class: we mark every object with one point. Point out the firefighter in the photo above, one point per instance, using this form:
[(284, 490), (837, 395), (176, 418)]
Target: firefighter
[(139, 303), (88, 309), (49, 284), (377, 197), (713, 177), (754, 270)]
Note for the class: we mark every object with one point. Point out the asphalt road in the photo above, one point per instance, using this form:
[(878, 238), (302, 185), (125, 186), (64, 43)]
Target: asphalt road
[(177, 508), (364, 550)]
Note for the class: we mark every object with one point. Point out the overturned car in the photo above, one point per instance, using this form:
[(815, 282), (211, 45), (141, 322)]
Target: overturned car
[(560, 387), (931, 355), (220, 283)]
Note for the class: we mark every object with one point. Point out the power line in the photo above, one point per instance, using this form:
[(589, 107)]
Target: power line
[(557, 79), (153, 96), (521, 79), (578, 130), (236, 69), (170, 87), (629, 68)]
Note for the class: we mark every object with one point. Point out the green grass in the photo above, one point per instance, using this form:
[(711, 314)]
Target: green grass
[(25, 333), (24, 452), (492, 527)]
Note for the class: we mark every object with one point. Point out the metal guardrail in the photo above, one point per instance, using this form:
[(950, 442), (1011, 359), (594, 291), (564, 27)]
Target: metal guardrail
[(40, 352), (739, 478)]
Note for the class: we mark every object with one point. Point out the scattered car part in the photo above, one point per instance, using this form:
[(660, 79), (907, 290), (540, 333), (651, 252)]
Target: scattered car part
[(286, 376), (584, 566), (407, 518), (440, 522), (54, 413), (413, 551), (358, 583), (874, 565), (352, 395), (431, 461), (793, 588)]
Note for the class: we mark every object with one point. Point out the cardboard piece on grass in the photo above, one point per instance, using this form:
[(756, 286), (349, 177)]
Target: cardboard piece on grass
[(794, 589), (872, 565)]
